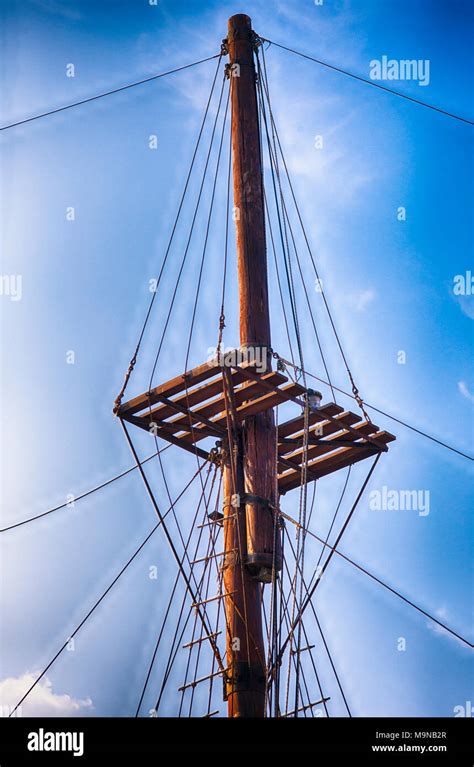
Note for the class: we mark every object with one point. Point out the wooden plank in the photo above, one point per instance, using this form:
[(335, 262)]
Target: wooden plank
[(363, 429), (291, 396), (340, 459), (328, 427), (250, 408), (187, 417), (168, 437), (217, 405), (198, 395), (190, 378), (295, 469), (289, 428), (270, 400)]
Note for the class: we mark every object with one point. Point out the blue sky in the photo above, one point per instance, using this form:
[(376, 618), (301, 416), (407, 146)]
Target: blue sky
[(85, 289)]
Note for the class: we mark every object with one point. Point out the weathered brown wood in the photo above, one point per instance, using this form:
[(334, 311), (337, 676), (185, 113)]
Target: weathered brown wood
[(175, 385), (187, 420), (245, 681), (217, 405), (168, 437), (258, 432), (258, 405), (197, 395), (268, 401), (288, 464), (340, 459), (321, 430), (363, 429), (289, 428), (291, 396)]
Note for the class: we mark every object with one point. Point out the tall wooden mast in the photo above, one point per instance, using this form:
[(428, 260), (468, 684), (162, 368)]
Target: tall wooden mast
[(251, 541), (232, 401)]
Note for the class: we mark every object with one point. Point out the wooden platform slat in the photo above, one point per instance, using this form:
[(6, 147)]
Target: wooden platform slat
[(289, 428), (217, 405), (196, 395), (272, 399), (325, 465), (162, 433), (174, 386), (363, 429), (291, 395), (258, 405), (192, 407), (329, 427)]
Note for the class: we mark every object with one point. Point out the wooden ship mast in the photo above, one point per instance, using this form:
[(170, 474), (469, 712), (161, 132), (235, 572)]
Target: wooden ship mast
[(233, 401)]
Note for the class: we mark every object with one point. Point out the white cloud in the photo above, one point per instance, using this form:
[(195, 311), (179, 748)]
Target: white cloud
[(465, 391), (467, 305), (360, 300), (442, 614), (58, 9), (42, 701)]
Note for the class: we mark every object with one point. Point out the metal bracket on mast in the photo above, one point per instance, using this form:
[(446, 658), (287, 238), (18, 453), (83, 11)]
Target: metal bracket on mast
[(242, 678)]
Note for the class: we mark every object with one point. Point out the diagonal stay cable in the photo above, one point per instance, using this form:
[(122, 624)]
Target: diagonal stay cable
[(101, 598), (169, 538), (328, 535), (108, 93), (273, 158), (133, 359), (190, 233), (326, 563), (306, 588), (383, 412), (202, 594), (307, 640), (168, 608), (208, 227), (177, 640), (83, 495), (313, 262), (382, 583), (369, 82)]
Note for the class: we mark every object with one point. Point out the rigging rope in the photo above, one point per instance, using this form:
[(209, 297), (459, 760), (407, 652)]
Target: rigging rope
[(170, 241), (368, 82), (326, 563), (273, 158), (382, 412), (316, 569), (226, 247), (188, 242), (355, 390), (382, 583), (206, 238), (169, 539), (67, 504), (108, 93), (285, 614), (306, 588), (101, 598), (275, 176), (168, 608)]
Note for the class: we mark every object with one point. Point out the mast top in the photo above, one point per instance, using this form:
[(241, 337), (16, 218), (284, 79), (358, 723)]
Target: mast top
[(239, 27)]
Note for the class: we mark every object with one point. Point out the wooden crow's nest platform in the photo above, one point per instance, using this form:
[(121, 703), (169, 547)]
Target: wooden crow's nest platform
[(194, 407)]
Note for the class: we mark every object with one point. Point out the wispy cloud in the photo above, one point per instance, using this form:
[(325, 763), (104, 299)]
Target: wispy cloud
[(58, 9), (361, 299), (42, 701), (463, 388), (443, 615), (467, 305)]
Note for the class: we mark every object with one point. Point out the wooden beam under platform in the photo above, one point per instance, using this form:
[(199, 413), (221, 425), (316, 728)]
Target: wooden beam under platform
[(193, 407)]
